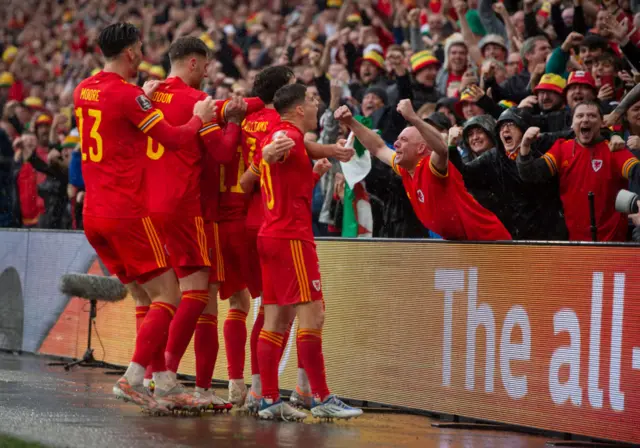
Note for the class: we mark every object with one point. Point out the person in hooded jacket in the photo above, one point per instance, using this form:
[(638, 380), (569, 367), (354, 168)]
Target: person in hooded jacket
[(529, 212)]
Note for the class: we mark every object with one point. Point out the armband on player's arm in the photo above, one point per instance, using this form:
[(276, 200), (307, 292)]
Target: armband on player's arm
[(221, 143), (156, 127)]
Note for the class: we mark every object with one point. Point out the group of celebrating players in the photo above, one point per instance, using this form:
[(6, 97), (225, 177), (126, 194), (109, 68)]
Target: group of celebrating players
[(188, 199)]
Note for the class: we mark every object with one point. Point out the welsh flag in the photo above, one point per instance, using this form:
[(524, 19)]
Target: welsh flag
[(357, 220)]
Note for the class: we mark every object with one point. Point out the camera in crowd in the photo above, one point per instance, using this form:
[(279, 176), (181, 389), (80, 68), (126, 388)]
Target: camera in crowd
[(627, 202)]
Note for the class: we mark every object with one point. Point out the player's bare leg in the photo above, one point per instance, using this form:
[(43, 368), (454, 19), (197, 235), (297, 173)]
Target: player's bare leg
[(206, 346), (235, 340), (161, 288), (325, 405), (276, 322), (193, 286)]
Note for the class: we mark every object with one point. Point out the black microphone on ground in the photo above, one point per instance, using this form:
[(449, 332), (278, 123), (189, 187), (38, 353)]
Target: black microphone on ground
[(93, 287), (592, 213)]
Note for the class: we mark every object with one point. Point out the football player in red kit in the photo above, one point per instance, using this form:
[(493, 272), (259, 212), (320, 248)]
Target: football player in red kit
[(434, 186), (175, 200), (115, 120), (290, 270), (241, 251)]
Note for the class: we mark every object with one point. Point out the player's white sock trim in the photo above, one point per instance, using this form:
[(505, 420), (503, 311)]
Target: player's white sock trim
[(256, 385), (134, 374)]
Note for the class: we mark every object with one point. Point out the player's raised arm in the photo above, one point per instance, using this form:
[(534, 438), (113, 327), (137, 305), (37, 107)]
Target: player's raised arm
[(222, 142), (367, 137), (440, 154), (318, 151), (139, 110)]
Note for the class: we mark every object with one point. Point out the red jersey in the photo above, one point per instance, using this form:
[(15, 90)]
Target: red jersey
[(287, 189), (113, 117), (174, 176), (254, 129), (594, 169), (444, 206)]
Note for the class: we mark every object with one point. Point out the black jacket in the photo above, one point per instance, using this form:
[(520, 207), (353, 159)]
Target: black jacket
[(528, 211), (514, 89)]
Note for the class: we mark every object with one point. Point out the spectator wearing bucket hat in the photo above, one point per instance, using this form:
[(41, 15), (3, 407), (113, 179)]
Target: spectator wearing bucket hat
[(580, 87), (456, 54), (424, 70), (528, 212), (6, 82), (547, 104), (474, 102), (370, 72)]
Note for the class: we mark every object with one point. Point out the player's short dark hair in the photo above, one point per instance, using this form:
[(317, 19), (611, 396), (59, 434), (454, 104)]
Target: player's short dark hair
[(269, 80), (289, 96), (116, 37), (593, 103), (186, 46)]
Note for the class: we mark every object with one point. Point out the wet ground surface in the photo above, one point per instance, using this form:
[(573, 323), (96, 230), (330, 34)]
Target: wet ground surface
[(75, 409)]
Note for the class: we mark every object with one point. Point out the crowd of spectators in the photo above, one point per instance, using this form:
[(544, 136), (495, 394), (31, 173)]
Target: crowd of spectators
[(482, 72)]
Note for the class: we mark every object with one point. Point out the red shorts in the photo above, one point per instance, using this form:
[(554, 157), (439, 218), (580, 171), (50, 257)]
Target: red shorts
[(290, 271), (254, 279), (234, 247), (216, 274), (132, 249), (186, 242)]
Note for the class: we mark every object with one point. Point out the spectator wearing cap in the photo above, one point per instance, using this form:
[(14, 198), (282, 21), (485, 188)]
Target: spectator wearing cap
[(493, 46), (580, 87), (441, 122), (516, 88), (6, 82), (424, 69), (455, 63), (28, 206), (42, 128), (447, 106), (528, 212)]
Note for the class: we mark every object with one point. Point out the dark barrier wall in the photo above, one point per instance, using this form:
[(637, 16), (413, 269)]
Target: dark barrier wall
[(535, 335)]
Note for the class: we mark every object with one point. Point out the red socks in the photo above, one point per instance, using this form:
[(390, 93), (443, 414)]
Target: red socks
[(153, 332), (206, 347), (255, 334), (235, 340), (183, 325), (141, 312), (269, 350), (310, 352), (285, 339)]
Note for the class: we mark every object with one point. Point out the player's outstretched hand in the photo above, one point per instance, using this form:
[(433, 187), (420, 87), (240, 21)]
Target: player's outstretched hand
[(321, 167), (205, 109), (151, 86), (341, 152), (236, 110), (278, 149), (405, 108), (343, 114)]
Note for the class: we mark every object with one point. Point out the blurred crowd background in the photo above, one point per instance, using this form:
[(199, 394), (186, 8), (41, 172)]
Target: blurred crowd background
[(462, 63)]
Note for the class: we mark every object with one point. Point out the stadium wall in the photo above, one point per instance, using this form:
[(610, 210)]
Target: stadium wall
[(545, 336)]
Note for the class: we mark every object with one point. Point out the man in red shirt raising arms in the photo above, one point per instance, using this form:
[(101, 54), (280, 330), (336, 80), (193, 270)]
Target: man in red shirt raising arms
[(434, 186), (290, 269), (115, 119), (175, 201), (583, 164)]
